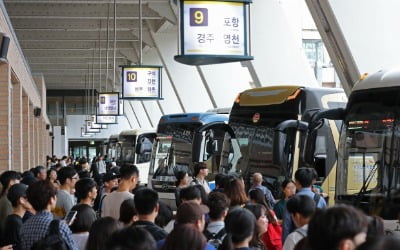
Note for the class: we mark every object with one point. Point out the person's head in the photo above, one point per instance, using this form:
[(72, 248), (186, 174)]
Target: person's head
[(146, 202), (165, 214), (190, 193), (185, 236), (17, 196), (235, 191), (7, 179), (301, 208), (129, 174), (192, 213), (239, 225), (58, 166), (200, 170), (219, 204), (337, 228), (86, 188), (127, 212), (257, 179), (375, 227), (182, 178), (83, 163), (131, 238), (304, 177), (42, 195), (68, 176), (203, 194), (257, 196), (52, 174), (40, 172), (288, 188), (83, 174), (100, 232), (110, 180), (219, 180), (84, 219), (259, 212)]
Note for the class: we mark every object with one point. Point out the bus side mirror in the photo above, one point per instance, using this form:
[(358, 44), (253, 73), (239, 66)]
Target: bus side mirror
[(279, 156), (316, 123), (279, 142)]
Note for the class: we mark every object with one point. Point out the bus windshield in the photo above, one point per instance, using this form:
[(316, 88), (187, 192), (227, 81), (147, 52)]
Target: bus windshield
[(369, 163), (173, 149)]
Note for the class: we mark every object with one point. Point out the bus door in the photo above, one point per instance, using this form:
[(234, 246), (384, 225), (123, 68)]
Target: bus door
[(144, 145)]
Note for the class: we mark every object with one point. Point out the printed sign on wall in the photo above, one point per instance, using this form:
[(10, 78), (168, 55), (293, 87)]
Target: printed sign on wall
[(108, 103), (141, 82), (214, 32), (104, 119)]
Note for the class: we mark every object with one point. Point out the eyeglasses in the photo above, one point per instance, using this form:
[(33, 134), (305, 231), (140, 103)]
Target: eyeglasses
[(75, 178)]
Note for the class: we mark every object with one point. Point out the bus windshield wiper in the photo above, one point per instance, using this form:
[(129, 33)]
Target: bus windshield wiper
[(367, 181)]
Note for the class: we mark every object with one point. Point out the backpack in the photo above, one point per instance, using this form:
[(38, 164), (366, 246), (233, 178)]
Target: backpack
[(316, 199), (215, 239), (53, 239)]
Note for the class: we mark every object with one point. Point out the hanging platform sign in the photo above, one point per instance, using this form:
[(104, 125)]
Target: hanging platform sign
[(83, 134), (89, 128), (104, 119), (214, 31), (141, 82), (108, 103), (94, 124), (121, 106)]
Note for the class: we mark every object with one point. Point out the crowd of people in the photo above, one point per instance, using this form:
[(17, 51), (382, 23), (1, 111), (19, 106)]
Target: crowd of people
[(72, 204)]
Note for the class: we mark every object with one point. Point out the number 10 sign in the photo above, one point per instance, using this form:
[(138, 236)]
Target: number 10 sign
[(141, 82), (214, 31)]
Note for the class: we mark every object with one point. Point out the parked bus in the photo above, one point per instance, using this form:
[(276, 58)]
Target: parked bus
[(134, 146), (368, 170), (269, 124), (112, 147), (172, 149)]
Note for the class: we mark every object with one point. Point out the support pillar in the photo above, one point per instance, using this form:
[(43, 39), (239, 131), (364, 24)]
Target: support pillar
[(32, 148), (26, 150), (17, 140), (5, 117)]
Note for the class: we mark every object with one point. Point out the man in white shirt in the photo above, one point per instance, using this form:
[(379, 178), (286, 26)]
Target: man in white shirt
[(301, 208), (129, 175), (200, 174)]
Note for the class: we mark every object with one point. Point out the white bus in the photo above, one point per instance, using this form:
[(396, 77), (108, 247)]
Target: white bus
[(134, 146)]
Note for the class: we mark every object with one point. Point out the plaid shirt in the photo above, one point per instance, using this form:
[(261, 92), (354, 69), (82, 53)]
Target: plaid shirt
[(36, 228)]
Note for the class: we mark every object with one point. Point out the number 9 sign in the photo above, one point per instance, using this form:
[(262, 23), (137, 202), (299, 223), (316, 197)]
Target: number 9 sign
[(198, 17)]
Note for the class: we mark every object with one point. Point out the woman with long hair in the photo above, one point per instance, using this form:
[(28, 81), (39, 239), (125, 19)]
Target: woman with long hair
[(260, 228), (235, 191), (272, 238), (185, 236), (100, 232)]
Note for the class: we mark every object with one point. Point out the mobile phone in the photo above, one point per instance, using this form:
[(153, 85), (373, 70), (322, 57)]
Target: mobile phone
[(70, 217)]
